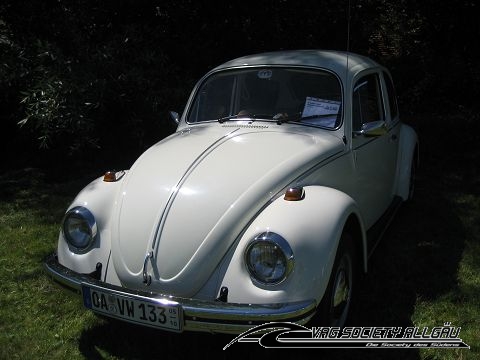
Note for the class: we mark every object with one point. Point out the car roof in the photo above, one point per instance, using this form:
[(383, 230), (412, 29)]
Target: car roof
[(328, 59)]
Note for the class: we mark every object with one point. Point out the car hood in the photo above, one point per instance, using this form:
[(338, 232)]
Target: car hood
[(188, 197)]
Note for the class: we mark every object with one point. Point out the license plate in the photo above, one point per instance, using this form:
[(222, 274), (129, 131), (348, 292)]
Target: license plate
[(158, 313)]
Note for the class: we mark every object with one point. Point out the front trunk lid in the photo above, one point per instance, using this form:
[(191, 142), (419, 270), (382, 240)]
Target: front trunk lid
[(188, 198)]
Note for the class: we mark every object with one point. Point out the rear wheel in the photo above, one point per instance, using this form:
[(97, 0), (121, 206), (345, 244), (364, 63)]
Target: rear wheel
[(411, 187), (413, 177), (335, 305)]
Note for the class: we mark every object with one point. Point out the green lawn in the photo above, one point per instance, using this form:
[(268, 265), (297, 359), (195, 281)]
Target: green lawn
[(425, 272)]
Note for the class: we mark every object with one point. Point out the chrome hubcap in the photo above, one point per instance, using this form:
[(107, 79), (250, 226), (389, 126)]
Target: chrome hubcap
[(341, 291)]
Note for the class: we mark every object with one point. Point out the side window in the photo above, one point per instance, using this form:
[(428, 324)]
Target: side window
[(367, 101), (392, 96)]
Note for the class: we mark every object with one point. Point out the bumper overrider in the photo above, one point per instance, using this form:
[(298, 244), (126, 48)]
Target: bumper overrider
[(153, 309)]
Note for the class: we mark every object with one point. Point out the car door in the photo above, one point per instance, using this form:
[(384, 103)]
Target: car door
[(375, 153)]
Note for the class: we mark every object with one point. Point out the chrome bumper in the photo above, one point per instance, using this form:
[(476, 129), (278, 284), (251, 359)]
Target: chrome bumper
[(198, 315)]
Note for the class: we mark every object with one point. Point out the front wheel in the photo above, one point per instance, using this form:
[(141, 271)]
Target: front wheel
[(334, 308)]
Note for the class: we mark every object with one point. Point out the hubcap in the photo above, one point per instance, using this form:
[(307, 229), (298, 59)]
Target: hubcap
[(341, 291)]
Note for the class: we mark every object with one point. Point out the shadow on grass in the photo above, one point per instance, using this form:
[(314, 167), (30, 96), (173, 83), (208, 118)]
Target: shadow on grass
[(417, 259)]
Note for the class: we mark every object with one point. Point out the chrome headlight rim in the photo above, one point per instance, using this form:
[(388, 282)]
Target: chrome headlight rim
[(277, 242), (85, 222)]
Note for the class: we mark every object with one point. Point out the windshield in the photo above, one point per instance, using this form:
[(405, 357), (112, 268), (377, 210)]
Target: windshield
[(276, 94)]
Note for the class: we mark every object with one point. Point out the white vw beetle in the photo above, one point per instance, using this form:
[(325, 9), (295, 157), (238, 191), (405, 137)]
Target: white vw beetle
[(269, 198)]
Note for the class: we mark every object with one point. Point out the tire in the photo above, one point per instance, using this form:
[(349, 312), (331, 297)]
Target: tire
[(336, 303), (411, 185), (413, 175)]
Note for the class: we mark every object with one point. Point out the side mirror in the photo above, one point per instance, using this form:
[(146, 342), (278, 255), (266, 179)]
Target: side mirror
[(373, 128), (174, 117)]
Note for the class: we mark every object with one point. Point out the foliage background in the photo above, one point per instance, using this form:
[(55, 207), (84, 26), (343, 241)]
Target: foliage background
[(89, 83)]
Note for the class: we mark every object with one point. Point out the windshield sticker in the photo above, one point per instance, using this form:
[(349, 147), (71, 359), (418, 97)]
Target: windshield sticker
[(324, 112), (264, 74)]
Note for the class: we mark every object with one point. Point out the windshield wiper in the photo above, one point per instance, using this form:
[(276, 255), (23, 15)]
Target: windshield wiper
[(262, 116), (302, 118), (246, 117), (227, 118), (280, 118)]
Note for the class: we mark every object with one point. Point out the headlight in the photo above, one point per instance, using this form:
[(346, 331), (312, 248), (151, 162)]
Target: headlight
[(269, 258), (79, 228)]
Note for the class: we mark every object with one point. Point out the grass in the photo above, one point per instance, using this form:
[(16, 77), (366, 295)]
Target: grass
[(425, 272), (35, 319)]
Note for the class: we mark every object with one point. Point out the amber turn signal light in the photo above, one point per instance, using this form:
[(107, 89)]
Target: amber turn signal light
[(113, 176), (294, 193)]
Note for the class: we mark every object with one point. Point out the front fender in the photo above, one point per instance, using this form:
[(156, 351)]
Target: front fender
[(100, 198), (313, 227)]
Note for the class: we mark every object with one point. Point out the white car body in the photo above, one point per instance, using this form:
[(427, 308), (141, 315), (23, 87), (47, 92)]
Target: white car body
[(174, 228)]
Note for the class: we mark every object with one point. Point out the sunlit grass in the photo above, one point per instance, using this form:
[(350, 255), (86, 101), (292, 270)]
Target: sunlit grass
[(460, 306), (37, 319)]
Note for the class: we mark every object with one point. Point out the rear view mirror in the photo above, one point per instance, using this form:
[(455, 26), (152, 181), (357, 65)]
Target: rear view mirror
[(174, 117)]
